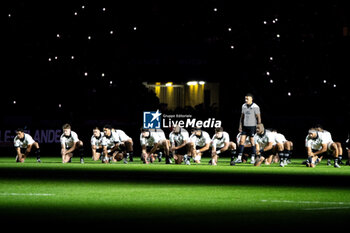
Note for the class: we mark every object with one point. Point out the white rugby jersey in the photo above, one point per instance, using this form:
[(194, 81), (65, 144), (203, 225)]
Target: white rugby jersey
[(97, 141), (265, 139), (249, 112), (160, 133), (69, 141), (110, 141), (247, 140), (178, 139), (280, 138), (149, 141), (327, 137), (202, 140), (316, 143), (23, 143), (121, 135), (220, 142)]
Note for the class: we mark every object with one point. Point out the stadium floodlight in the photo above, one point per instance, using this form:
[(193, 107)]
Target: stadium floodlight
[(201, 82), (192, 83)]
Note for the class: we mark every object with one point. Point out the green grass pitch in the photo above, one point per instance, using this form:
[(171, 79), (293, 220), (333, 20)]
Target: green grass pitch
[(201, 196)]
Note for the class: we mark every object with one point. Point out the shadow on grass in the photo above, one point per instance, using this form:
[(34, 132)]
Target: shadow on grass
[(175, 176)]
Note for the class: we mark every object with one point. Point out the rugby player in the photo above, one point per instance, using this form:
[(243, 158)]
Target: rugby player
[(317, 143), (199, 143), (126, 143), (178, 139), (250, 117), (70, 143), (113, 147), (284, 148), (220, 143), (96, 144), (24, 143), (150, 143), (266, 145)]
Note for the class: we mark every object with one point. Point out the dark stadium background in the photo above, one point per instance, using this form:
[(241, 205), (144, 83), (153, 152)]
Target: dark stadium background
[(175, 41)]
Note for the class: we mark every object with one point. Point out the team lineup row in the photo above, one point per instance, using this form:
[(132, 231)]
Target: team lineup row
[(113, 145), (253, 140)]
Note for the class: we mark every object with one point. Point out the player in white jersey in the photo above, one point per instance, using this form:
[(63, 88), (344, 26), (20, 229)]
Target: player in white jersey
[(165, 146), (150, 142), (220, 143), (283, 147), (127, 142), (334, 148), (178, 140), (199, 143), (113, 147), (96, 143), (265, 144), (316, 144), (250, 118), (70, 143), (24, 143)]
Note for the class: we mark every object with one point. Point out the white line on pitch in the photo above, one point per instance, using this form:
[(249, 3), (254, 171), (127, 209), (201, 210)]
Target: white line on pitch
[(26, 194), (328, 208), (308, 202)]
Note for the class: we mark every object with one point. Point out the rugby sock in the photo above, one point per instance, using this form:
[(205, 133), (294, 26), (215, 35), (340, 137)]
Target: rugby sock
[(233, 154), (131, 156), (335, 160), (37, 153), (286, 154), (240, 150), (281, 155), (253, 150), (81, 152)]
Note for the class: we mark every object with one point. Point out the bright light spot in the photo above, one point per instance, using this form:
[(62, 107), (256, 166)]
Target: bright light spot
[(135, 28), (201, 82), (191, 83), (334, 85), (103, 74), (9, 15), (229, 29), (56, 57), (49, 58), (267, 73), (271, 58), (86, 74), (58, 35), (271, 81), (111, 32), (59, 105), (103, 9), (75, 13), (324, 81), (89, 37), (14, 102), (169, 84), (278, 35), (72, 57), (82, 7), (232, 47), (265, 22), (215, 9), (273, 21), (289, 94), (110, 82)]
